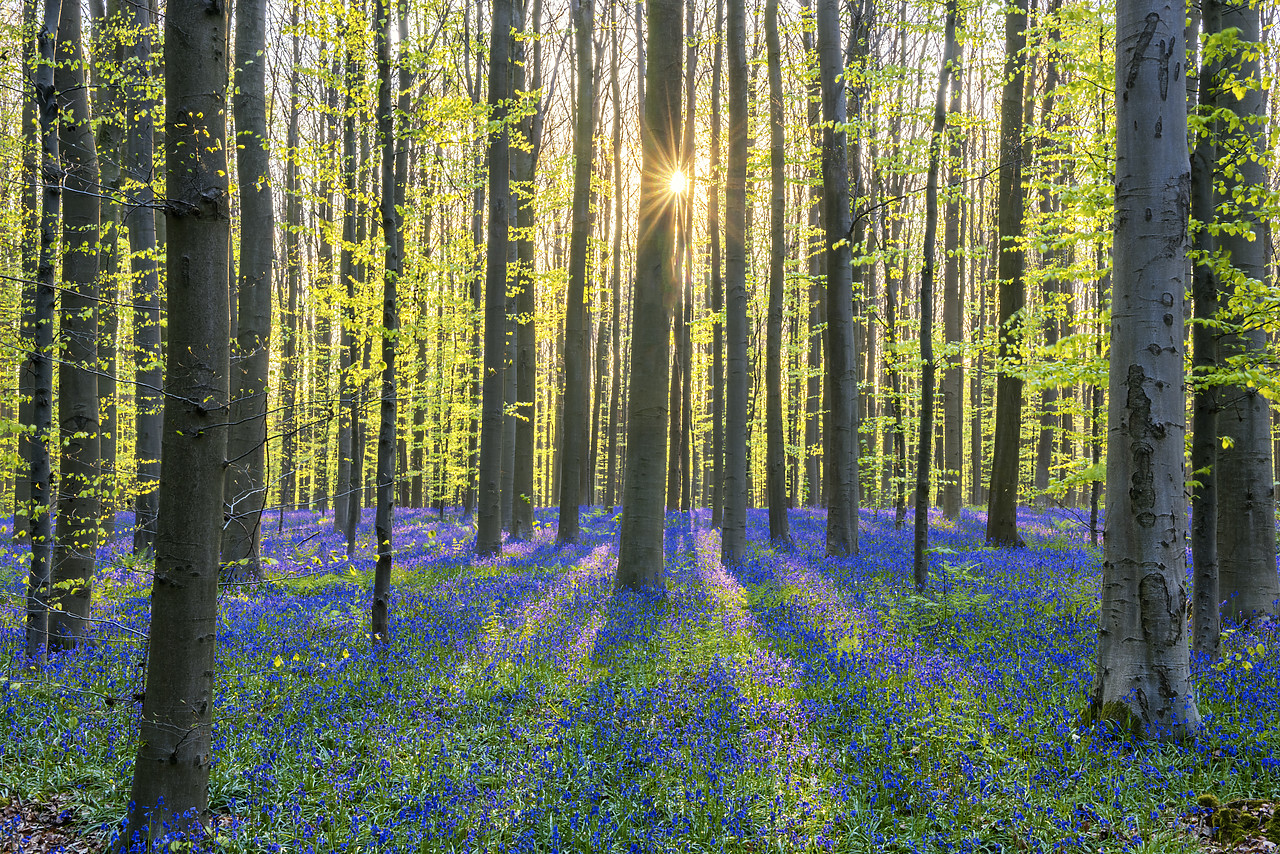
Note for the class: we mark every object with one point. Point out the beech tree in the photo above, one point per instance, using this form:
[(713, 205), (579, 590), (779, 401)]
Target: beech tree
[(640, 547), (488, 508), (170, 790), (734, 534), (79, 499), (246, 489), (776, 465), (573, 447), (841, 454), (1143, 680), (1002, 505)]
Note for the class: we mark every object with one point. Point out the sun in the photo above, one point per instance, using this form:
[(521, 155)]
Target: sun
[(678, 182)]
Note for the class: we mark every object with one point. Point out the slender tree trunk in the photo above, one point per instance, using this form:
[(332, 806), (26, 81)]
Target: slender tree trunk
[(393, 258), (140, 220), (1206, 621), (717, 285), (953, 314), (615, 283), (30, 249), (776, 452), (841, 444), (1248, 583), (171, 774), (817, 291), (573, 451), (489, 529), (108, 114), (78, 502), (928, 379), (289, 321), (1002, 507), (41, 355), (246, 485), (344, 501), (734, 535), (640, 546)]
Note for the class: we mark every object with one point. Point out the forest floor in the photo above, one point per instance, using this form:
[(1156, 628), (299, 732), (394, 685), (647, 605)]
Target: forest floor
[(794, 703)]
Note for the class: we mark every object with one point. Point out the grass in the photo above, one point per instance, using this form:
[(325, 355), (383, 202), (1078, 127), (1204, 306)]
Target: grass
[(793, 703)]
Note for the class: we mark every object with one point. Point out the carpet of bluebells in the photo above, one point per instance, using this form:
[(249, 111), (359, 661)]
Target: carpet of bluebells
[(794, 703)]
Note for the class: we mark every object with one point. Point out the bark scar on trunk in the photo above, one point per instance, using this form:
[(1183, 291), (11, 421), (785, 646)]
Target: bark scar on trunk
[(1142, 490)]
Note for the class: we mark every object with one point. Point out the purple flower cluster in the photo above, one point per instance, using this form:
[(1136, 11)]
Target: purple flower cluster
[(794, 702)]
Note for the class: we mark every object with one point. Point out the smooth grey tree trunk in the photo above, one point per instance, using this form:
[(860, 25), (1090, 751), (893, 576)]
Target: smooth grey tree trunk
[(640, 546), (171, 773), (78, 500), (1143, 680), (1206, 620), (488, 509), (29, 243), (733, 538), (928, 374), (246, 485), (1002, 504), (41, 355), (817, 291), (615, 281), (716, 381), (574, 441), (392, 261), (775, 440), (140, 220), (951, 496), (344, 500), (841, 441), (1248, 584)]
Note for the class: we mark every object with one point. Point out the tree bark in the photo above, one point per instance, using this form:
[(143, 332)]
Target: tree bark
[(733, 537), (1206, 621), (1002, 506), (1248, 583), (717, 285), (1143, 680), (392, 260), (640, 546), (574, 440), (841, 449), (775, 440), (928, 378), (246, 485), (953, 315), (489, 527), (41, 356), (78, 503), (171, 774)]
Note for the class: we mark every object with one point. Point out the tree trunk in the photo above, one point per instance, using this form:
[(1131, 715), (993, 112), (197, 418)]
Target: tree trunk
[(640, 547), (41, 356), (1206, 621), (78, 503), (1248, 584), (108, 114), (246, 485), (1002, 506), (734, 536), (928, 378), (289, 321), (171, 774), (140, 220), (489, 528), (573, 442), (30, 249), (344, 500), (615, 283), (392, 180), (1143, 681), (817, 293), (776, 441), (953, 315), (716, 380)]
